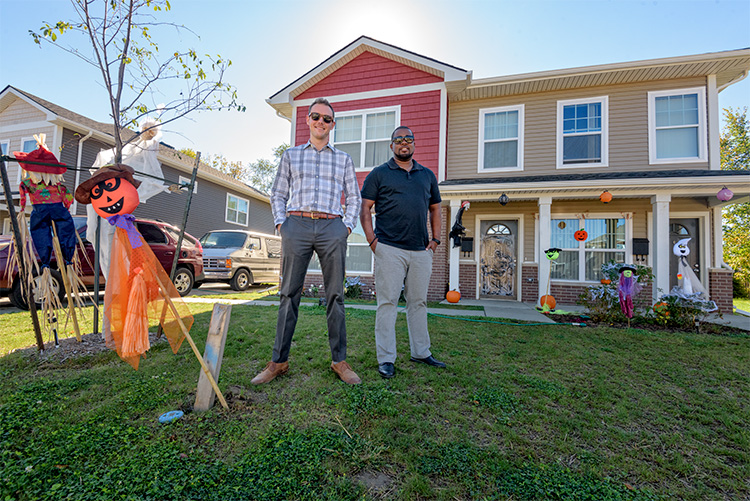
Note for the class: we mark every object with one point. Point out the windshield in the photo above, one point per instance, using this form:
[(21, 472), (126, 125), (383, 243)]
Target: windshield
[(222, 240)]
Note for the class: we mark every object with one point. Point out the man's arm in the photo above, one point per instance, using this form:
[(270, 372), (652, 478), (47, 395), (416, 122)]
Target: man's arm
[(280, 191), (436, 223), (352, 197), (365, 218)]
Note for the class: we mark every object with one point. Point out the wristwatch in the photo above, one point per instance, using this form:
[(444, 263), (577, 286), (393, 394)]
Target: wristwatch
[(436, 241)]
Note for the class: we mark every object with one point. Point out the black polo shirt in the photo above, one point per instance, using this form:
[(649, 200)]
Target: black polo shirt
[(402, 200)]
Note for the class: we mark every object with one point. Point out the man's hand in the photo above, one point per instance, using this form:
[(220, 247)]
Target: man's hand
[(432, 246)]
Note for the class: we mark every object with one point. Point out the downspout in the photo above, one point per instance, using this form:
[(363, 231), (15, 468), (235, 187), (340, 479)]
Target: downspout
[(78, 164)]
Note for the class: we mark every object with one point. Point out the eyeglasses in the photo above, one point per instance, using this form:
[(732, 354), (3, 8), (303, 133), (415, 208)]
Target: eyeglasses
[(317, 116), (403, 139)]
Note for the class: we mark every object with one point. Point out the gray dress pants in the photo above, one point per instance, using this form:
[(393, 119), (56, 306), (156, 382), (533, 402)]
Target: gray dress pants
[(300, 237)]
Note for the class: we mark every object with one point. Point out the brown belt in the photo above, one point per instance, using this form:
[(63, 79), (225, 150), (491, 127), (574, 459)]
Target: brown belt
[(313, 215)]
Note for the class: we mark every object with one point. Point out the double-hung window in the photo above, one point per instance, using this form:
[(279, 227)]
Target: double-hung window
[(583, 132), (237, 210), (582, 260), (677, 126), (366, 135), (359, 257), (501, 139)]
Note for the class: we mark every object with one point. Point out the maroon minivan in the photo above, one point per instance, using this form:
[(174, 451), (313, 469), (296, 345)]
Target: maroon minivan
[(160, 236)]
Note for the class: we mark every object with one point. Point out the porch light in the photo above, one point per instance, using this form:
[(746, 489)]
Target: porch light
[(605, 197), (504, 199), (725, 194)]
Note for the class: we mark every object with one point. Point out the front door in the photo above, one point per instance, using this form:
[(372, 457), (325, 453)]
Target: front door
[(497, 263), (679, 229)]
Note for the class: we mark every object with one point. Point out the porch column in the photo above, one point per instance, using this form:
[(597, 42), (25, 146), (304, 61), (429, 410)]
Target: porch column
[(660, 237), (545, 236), (718, 237), (454, 253)]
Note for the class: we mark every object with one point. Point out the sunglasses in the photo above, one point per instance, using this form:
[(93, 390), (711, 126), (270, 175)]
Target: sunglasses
[(317, 116), (403, 139)]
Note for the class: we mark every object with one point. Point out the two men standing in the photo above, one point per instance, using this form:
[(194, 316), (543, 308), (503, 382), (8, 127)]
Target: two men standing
[(307, 211)]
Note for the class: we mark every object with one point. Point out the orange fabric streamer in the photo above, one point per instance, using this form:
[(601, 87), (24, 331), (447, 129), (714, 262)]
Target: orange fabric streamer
[(133, 300)]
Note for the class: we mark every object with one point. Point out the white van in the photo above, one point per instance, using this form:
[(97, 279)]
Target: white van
[(241, 258)]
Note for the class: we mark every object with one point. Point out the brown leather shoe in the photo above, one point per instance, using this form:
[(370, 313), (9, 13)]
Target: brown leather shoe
[(270, 372), (345, 372)]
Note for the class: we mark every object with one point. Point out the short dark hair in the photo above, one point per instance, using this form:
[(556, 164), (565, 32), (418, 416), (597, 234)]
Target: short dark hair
[(393, 134), (322, 100)]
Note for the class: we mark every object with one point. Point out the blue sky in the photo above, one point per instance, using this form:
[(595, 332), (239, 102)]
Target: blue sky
[(272, 43)]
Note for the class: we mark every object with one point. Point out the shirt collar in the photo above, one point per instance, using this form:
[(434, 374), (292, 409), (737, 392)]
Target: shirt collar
[(415, 165), (329, 145)]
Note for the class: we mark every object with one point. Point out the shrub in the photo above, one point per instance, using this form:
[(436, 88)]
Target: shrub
[(602, 302), (353, 287)]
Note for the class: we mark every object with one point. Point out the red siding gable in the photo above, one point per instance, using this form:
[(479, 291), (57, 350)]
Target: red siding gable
[(368, 72)]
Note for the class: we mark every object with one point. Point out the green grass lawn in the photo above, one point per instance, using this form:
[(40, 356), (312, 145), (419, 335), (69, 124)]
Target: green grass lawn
[(539, 412), (742, 304)]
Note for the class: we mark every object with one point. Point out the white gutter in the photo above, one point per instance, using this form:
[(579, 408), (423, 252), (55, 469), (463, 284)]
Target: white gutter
[(78, 164), (738, 79)]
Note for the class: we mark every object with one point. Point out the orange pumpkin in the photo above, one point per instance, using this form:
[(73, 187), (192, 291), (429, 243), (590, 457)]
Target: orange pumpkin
[(115, 195), (605, 197), (581, 235), (606, 281), (453, 296), (548, 301), (661, 309)]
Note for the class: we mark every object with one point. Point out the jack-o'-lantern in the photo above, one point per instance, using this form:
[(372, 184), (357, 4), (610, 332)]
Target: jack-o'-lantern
[(453, 296), (111, 191), (581, 235)]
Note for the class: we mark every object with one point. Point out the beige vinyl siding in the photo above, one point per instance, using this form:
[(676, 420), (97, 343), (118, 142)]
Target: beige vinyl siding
[(20, 112), (628, 129)]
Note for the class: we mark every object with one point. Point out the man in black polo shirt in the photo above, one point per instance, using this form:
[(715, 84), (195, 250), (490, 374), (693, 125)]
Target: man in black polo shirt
[(403, 193)]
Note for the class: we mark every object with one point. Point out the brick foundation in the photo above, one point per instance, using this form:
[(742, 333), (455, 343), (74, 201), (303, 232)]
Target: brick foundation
[(720, 289), (467, 280), (529, 283)]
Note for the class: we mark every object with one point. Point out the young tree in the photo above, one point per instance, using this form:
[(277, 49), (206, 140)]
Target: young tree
[(115, 36), (735, 155)]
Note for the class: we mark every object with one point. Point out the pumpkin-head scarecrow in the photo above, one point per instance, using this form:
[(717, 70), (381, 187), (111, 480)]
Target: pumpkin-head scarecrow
[(628, 287), (138, 290), (43, 183)]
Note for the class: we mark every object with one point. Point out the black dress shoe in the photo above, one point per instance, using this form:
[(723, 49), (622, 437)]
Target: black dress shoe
[(429, 361), (387, 370)]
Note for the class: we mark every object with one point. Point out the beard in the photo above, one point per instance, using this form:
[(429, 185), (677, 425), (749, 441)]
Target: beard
[(403, 158)]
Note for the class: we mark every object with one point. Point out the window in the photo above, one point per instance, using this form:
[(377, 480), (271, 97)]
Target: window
[(186, 180), (359, 257), (366, 135), (582, 133), (27, 146), (237, 210), (151, 234), (582, 261), (501, 138), (677, 126)]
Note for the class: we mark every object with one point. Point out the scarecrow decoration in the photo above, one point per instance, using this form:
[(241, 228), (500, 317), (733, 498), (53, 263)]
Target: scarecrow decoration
[(458, 230), (547, 301), (137, 285), (50, 226), (687, 280), (138, 291), (627, 288)]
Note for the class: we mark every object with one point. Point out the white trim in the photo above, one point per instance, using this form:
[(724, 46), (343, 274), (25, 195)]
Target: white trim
[(20, 148), (374, 94), (396, 109), (604, 101), (186, 180), (443, 136), (519, 219), (652, 95), (5, 142), (714, 140), (226, 208), (519, 139)]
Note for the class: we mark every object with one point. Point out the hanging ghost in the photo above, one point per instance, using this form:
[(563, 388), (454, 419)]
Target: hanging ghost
[(138, 289), (627, 288), (687, 280), (458, 230), (43, 184)]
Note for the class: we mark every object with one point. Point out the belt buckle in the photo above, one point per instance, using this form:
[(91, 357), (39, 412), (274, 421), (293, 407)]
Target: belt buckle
[(313, 215)]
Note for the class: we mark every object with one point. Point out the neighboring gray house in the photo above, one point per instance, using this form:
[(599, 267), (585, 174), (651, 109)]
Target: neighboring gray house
[(219, 201)]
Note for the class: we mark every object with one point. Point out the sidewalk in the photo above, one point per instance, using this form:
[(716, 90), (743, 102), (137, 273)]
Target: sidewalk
[(512, 310)]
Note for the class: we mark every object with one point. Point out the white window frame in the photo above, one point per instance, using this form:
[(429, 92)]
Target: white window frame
[(702, 126), (604, 101), (363, 140), (23, 140), (628, 250), (519, 139), (349, 243), (226, 209), (186, 180)]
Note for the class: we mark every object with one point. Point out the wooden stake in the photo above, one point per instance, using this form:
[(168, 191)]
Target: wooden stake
[(64, 272), (190, 341), (213, 354)]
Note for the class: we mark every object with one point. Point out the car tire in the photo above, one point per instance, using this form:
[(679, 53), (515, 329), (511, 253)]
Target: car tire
[(183, 281), (241, 280), (18, 298)]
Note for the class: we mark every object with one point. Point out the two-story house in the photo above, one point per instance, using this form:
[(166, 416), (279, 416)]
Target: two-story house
[(219, 201), (538, 156)]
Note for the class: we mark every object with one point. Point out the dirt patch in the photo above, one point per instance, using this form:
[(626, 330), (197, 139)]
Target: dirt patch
[(638, 323), (378, 483)]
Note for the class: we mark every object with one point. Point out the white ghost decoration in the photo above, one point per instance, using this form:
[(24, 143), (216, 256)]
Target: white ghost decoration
[(681, 248)]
